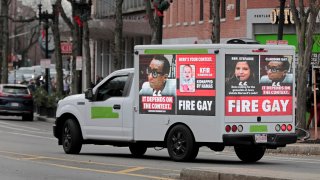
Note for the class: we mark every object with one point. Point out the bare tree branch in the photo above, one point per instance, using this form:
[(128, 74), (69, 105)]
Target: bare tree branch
[(64, 15), (149, 13)]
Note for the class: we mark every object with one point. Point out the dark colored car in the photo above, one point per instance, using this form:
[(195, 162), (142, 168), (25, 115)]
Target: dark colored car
[(16, 100)]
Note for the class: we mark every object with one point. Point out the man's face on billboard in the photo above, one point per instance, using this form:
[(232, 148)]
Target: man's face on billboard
[(275, 70), (155, 74)]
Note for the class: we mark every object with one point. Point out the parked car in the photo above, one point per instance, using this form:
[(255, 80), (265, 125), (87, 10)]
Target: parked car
[(16, 100)]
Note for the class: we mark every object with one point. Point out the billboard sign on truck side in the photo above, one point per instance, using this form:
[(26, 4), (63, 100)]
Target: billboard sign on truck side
[(191, 92)]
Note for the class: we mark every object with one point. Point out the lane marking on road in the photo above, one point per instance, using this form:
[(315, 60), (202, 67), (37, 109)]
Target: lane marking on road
[(24, 126), (30, 135), (131, 170), (128, 171), (104, 171), (19, 129), (33, 158), (87, 162), (8, 157)]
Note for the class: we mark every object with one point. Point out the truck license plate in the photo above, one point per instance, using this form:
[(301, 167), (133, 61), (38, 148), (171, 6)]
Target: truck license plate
[(261, 138)]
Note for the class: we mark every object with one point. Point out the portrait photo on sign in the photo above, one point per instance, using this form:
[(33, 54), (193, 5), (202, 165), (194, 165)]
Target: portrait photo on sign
[(276, 70), (241, 74), (187, 78), (157, 84), (155, 74)]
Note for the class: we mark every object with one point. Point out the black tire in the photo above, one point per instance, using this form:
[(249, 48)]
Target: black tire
[(181, 144), (71, 137), (250, 154), (27, 117), (137, 150)]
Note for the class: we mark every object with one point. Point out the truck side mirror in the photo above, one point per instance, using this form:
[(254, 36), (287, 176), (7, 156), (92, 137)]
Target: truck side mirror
[(88, 94)]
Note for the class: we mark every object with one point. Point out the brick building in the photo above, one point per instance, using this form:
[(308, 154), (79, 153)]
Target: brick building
[(189, 21)]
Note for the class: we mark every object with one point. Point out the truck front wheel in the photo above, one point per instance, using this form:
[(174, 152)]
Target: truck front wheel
[(249, 153), (71, 137), (181, 144), (137, 150)]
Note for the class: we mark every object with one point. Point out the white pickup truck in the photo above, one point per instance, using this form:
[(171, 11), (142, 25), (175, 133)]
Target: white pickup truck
[(182, 97)]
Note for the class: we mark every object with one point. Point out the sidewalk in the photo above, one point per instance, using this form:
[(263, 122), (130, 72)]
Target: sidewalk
[(299, 148)]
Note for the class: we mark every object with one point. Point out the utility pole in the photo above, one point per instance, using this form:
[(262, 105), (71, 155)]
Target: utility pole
[(281, 19)]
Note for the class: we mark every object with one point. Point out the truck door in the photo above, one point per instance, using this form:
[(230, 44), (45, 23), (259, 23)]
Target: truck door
[(106, 110)]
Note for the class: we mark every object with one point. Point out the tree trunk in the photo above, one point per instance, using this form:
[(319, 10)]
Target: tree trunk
[(74, 32), (76, 51), (152, 22), (57, 52), (305, 22), (5, 41), (118, 36), (216, 21)]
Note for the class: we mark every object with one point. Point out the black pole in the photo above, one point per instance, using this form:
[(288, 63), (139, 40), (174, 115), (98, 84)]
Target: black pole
[(161, 29), (45, 16), (281, 20), (80, 54), (47, 57)]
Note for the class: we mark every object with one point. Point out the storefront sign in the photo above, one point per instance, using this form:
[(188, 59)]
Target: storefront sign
[(315, 59), (277, 42), (275, 16), (66, 48)]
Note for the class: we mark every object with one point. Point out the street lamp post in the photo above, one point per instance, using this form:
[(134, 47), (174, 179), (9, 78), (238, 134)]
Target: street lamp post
[(160, 6), (83, 11), (44, 17), (281, 19)]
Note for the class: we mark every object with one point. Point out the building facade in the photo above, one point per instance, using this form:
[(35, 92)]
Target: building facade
[(186, 22), (190, 21), (136, 31)]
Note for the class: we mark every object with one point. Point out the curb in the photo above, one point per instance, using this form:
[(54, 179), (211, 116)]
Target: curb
[(207, 174), (241, 173), (37, 117), (298, 148)]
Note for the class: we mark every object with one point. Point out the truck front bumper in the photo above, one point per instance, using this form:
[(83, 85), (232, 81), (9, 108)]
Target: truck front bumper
[(273, 140)]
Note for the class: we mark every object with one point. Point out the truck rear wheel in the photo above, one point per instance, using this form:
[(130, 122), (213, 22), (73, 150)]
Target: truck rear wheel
[(181, 144), (137, 150), (249, 153), (71, 137)]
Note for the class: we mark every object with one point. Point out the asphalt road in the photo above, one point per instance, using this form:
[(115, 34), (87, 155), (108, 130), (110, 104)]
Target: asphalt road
[(29, 151)]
